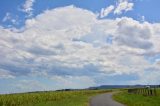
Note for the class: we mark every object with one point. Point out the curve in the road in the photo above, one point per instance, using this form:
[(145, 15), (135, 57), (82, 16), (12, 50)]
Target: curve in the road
[(104, 100)]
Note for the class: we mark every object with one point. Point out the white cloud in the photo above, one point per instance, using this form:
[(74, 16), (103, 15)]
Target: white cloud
[(143, 18), (72, 82), (150, 77), (123, 5), (28, 86), (7, 17), (131, 29), (27, 7), (52, 45), (106, 11), (5, 74)]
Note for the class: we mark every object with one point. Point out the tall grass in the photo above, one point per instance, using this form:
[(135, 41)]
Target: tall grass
[(28, 99), (131, 99)]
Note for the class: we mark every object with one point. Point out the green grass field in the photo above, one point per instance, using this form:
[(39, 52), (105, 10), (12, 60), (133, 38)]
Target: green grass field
[(57, 98), (137, 100)]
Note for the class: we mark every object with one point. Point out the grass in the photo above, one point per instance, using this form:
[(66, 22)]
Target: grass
[(54, 98), (137, 100), (76, 101)]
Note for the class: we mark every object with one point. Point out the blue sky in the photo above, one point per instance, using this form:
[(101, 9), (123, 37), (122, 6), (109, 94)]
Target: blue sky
[(146, 8), (56, 44)]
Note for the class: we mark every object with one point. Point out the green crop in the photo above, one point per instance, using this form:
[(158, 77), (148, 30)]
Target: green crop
[(28, 99)]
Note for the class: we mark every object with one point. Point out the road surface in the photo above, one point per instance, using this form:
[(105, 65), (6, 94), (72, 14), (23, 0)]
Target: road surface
[(104, 100)]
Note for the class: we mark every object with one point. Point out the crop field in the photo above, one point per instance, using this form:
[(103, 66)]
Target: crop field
[(131, 99), (52, 98)]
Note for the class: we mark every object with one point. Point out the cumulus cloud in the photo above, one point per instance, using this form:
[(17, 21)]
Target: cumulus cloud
[(27, 7), (63, 48), (131, 29), (123, 5), (106, 11)]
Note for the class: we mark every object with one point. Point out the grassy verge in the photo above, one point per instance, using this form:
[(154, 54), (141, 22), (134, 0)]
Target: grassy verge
[(137, 100), (60, 98)]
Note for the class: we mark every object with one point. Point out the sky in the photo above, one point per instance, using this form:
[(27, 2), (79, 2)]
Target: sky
[(59, 44)]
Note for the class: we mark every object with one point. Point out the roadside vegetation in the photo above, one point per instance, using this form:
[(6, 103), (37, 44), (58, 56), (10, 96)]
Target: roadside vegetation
[(54, 98), (131, 99)]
